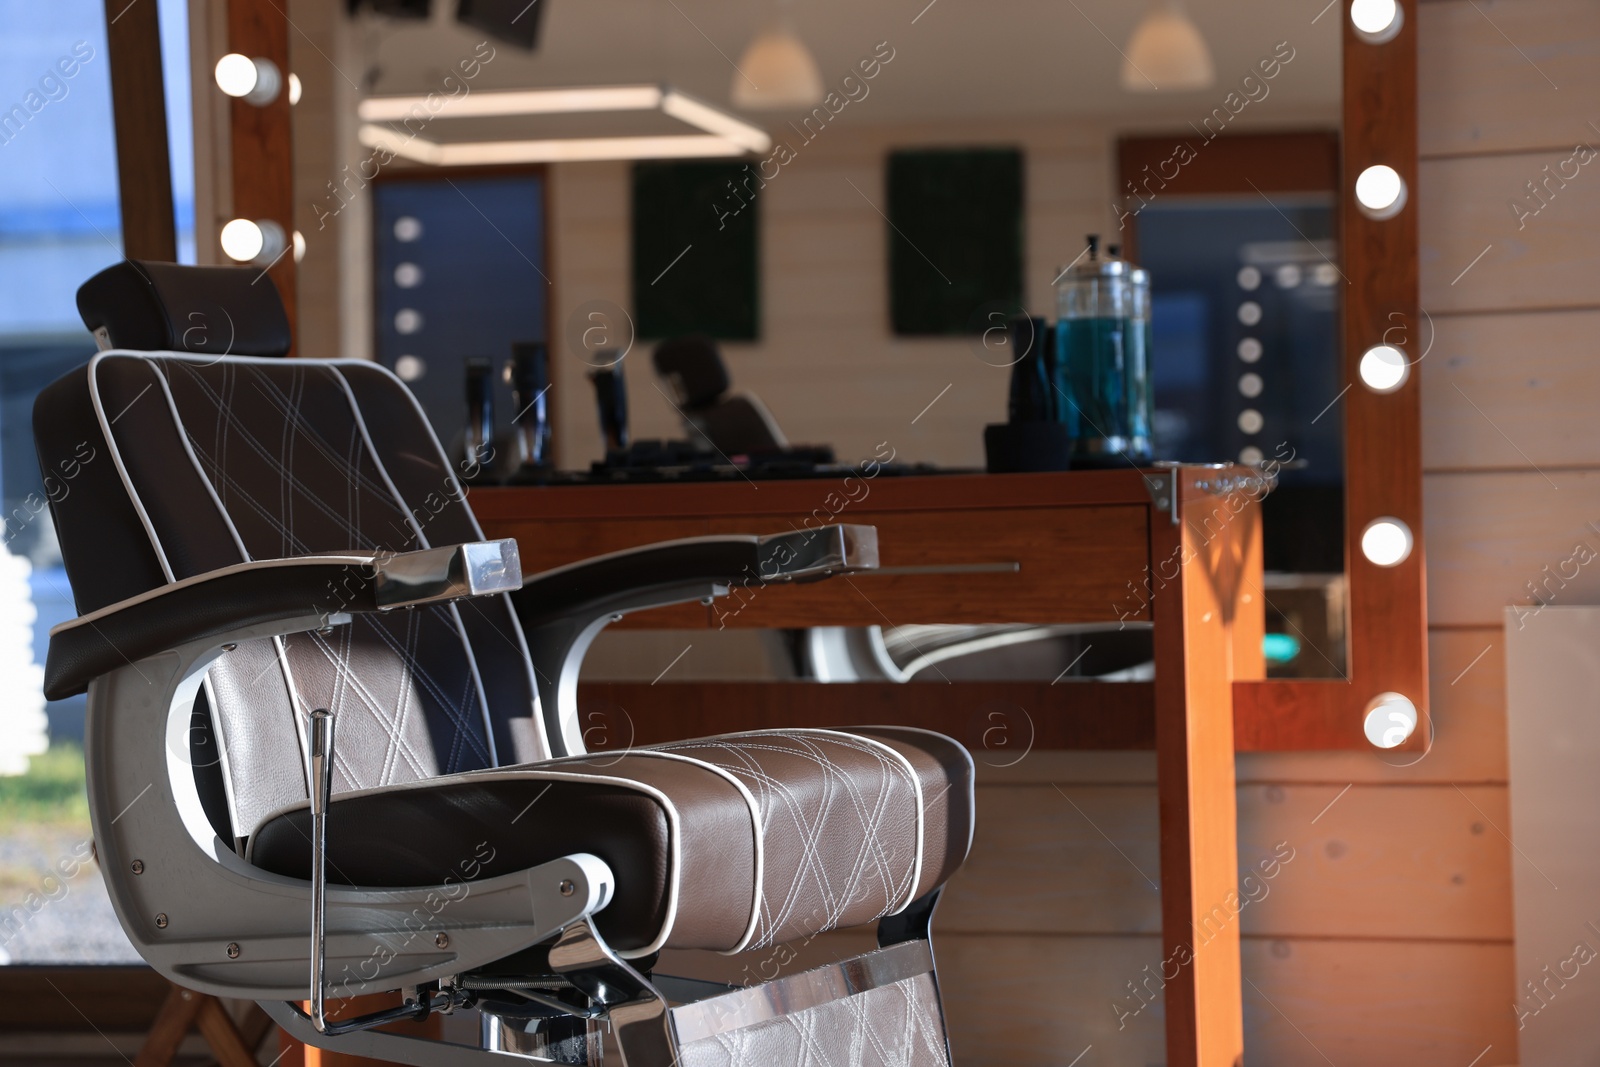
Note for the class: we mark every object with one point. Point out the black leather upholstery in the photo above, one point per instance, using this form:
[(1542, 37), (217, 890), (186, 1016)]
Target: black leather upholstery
[(210, 607), (207, 462), (720, 843), (167, 307), (467, 827)]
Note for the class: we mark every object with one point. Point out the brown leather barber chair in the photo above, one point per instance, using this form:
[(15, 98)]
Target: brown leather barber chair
[(280, 549)]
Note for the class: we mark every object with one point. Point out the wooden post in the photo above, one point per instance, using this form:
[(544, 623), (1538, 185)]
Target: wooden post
[(262, 142), (139, 115), (1201, 574)]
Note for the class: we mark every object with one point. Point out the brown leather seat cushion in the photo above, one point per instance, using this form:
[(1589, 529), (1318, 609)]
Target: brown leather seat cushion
[(732, 842)]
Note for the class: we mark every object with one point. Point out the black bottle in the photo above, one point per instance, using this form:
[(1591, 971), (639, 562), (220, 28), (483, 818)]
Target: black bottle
[(529, 371), (611, 397), (477, 441), (1033, 396)]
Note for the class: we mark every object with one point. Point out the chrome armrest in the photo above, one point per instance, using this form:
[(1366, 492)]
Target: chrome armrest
[(248, 595), (563, 610)]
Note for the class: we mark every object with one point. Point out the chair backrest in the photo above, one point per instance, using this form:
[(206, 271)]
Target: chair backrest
[(186, 463), (735, 422)]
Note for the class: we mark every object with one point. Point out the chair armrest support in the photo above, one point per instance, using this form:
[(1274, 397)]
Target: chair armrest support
[(563, 610), (245, 595)]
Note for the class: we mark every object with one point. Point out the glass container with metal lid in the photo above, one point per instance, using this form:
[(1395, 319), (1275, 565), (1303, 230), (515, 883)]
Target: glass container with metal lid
[(1103, 358)]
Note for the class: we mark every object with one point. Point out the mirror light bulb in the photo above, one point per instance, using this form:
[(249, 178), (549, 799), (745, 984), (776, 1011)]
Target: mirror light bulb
[(242, 240), (1390, 720), (1386, 542), (255, 81), (1376, 20), (1380, 191), (236, 74), (1384, 368), (294, 89), (253, 241)]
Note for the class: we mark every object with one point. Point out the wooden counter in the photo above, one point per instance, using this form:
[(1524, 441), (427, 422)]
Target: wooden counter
[(1091, 546)]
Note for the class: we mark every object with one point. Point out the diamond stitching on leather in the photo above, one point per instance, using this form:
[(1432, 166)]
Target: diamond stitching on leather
[(290, 489), (897, 1025), (838, 827)]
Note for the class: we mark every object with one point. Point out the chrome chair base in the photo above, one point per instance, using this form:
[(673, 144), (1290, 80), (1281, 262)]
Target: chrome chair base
[(881, 1009), (564, 1040)]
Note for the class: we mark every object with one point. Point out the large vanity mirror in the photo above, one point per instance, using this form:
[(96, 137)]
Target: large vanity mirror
[(1251, 159)]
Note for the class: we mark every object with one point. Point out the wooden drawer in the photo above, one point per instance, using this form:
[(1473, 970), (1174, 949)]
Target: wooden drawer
[(1074, 564)]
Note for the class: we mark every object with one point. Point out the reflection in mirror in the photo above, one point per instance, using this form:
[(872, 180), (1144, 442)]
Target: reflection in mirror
[(950, 162), (1246, 304), (914, 654)]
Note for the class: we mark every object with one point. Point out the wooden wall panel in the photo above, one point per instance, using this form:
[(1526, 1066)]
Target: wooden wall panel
[(1378, 1003), (1511, 390), (1367, 861), (1480, 93), (1041, 1001), (1021, 1001), (1496, 538), (1379, 861), (1072, 859), (1544, 261)]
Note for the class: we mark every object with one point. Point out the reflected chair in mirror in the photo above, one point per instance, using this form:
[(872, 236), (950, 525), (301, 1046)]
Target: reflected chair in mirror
[(734, 421), (403, 801)]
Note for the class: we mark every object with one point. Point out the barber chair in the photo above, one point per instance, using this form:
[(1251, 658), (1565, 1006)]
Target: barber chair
[(280, 550)]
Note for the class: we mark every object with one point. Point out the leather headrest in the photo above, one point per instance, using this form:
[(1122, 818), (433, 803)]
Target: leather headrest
[(170, 307), (694, 368)]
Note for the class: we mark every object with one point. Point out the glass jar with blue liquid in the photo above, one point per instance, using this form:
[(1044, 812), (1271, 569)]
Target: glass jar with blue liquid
[(1103, 359)]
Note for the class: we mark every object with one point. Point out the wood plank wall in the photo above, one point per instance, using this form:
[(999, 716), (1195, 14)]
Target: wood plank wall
[(827, 364)]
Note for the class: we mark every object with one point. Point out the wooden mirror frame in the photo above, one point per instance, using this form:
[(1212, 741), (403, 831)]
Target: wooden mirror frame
[(1386, 634), (1387, 626), (1388, 616)]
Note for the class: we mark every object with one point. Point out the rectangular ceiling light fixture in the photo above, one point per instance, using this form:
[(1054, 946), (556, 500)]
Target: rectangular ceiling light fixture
[(719, 133)]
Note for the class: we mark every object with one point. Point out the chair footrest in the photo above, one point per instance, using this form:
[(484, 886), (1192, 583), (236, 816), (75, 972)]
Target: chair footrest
[(877, 1010)]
